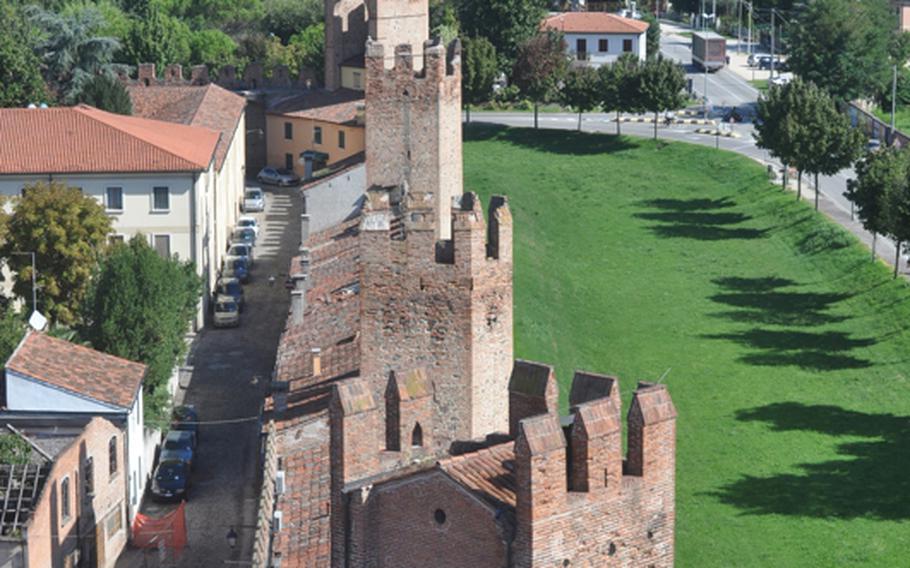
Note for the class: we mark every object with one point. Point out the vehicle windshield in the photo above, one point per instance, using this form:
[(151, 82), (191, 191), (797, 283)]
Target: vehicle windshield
[(243, 234), (174, 444), (238, 264), (170, 472), (239, 250), (225, 307), (247, 222), (254, 194)]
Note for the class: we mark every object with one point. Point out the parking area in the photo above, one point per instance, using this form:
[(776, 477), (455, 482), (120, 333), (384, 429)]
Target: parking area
[(231, 369)]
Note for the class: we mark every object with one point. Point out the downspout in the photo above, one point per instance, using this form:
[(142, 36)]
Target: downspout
[(193, 252)]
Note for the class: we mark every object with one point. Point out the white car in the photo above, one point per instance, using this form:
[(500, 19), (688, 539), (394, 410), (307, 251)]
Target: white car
[(253, 200), (248, 222)]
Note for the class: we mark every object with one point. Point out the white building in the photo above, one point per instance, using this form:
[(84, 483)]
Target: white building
[(54, 379), (599, 37), (154, 178)]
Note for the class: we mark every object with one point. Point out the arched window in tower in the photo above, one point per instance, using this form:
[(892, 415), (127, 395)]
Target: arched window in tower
[(417, 436)]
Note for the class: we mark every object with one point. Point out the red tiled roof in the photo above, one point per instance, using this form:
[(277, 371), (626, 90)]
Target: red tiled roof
[(83, 139), (593, 22), (77, 369), (208, 106), (489, 473), (339, 107)]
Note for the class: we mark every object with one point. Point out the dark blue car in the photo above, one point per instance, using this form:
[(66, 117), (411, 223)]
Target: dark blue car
[(171, 481)]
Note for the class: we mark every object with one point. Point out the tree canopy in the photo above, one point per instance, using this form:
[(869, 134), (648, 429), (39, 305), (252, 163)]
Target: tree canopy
[(66, 230), (540, 66), (158, 38), (775, 128), (21, 82), (107, 93), (661, 86), (618, 86), (581, 90), (506, 23), (652, 36), (479, 70)]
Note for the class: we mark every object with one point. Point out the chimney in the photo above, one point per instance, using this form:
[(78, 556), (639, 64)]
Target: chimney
[(147, 74), (173, 74), (297, 306), (199, 75), (317, 361), (304, 230)]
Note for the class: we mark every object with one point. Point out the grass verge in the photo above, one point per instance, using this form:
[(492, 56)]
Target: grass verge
[(787, 347)]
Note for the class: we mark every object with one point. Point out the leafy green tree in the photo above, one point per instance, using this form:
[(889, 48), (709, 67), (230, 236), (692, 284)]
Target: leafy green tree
[(619, 86), (285, 18), (776, 129), (876, 173), (71, 49), (539, 68), (822, 139), (581, 90), (21, 82), (213, 48), (14, 450), (308, 49), (506, 23), (116, 22), (139, 307), (661, 87), (12, 330), (842, 46), (479, 70), (444, 22), (896, 204), (107, 93), (66, 230), (652, 36), (157, 38)]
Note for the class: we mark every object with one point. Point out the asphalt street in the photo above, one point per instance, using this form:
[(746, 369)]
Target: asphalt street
[(231, 370)]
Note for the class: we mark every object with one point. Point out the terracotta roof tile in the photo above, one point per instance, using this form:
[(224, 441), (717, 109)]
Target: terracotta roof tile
[(594, 22), (83, 139), (77, 369), (489, 473), (339, 106), (208, 106)]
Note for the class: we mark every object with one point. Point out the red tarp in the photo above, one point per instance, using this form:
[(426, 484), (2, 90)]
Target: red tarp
[(149, 532)]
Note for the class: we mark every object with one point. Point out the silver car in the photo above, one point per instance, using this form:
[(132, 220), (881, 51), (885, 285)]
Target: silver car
[(227, 312), (253, 200), (277, 176), (243, 251)]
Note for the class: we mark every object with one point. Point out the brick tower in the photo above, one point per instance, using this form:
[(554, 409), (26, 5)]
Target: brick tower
[(436, 284)]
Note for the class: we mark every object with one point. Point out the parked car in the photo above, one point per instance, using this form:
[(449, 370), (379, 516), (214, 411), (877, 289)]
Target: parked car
[(765, 63), (227, 312), (171, 480), (178, 445), (244, 235), (236, 267), (253, 200), (754, 58), (779, 81), (247, 221), (230, 287), (186, 418), (277, 176), (243, 251)]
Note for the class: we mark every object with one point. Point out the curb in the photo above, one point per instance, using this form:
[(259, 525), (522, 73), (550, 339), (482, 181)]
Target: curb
[(715, 132), (708, 121)]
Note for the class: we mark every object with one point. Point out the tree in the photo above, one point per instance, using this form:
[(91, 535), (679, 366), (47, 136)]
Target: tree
[(840, 46), (444, 22), (72, 50), (157, 38), (138, 307), (876, 174), (12, 330), (823, 141), (896, 205), (581, 90), (479, 71), (506, 23), (107, 93), (540, 66), (213, 48), (618, 86), (20, 68), (652, 35), (776, 128), (284, 18), (661, 86), (66, 230), (308, 50)]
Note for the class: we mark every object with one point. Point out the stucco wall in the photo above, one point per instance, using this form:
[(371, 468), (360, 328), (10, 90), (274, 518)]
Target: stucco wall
[(302, 139), (614, 41)]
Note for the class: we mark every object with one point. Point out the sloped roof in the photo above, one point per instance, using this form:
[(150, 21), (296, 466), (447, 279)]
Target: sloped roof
[(208, 106), (83, 139), (594, 22), (77, 369), (339, 107), (489, 473)]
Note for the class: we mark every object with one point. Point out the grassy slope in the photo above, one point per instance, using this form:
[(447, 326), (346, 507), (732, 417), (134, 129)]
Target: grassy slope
[(788, 357), (901, 117)]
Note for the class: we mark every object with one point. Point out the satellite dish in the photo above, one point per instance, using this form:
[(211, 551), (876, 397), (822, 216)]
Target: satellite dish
[(37, 321)]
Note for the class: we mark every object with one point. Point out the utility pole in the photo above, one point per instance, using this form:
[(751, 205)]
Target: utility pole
[(751, 48), (739, 26), (893, 103), (771, 76)]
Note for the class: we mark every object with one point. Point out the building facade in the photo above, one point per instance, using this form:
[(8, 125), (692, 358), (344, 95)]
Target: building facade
[(596, 38)]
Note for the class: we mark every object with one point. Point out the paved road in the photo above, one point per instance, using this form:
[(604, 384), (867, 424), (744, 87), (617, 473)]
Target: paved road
[(231, 369)]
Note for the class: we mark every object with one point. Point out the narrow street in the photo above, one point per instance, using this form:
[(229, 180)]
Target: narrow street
[(231, 370)]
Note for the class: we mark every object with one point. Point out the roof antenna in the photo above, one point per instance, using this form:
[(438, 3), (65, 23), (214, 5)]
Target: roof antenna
[(664, 376)]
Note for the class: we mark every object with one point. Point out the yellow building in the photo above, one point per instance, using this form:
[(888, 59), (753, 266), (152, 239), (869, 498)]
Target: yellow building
[(330, 123)]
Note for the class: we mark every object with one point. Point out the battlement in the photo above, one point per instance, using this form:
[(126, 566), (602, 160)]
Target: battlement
[(439, 63)]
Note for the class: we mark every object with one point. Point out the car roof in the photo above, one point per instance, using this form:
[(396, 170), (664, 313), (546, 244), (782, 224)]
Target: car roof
[(178, 434), (225, 280), (172, 463), (246, 218), (225, 299)]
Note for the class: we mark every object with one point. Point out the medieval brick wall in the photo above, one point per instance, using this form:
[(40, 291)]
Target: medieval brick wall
[(346, 29), (400, 22)]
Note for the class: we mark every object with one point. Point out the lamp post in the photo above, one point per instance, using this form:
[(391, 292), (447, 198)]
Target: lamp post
[(34, 287)]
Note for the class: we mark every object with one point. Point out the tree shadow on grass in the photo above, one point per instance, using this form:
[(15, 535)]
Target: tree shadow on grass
[(762, 301), (566, 142), (699, 219), (870, 481), (824, 351)]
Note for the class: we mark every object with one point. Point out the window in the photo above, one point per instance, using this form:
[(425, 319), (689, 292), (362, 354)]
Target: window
[(89, 483), (317, 135), (627, 46), (603, 45), (113, 524), (288, 131), (112, 456), (581, 45), (417, 436), (341, 139), (289, 161), (358, 84), (163, 245), (65, 499), (116, 239), (161, 199)]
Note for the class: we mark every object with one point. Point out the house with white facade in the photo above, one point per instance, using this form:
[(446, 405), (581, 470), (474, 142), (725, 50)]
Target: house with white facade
[(596, 38), (154, 178), (54, 380)]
